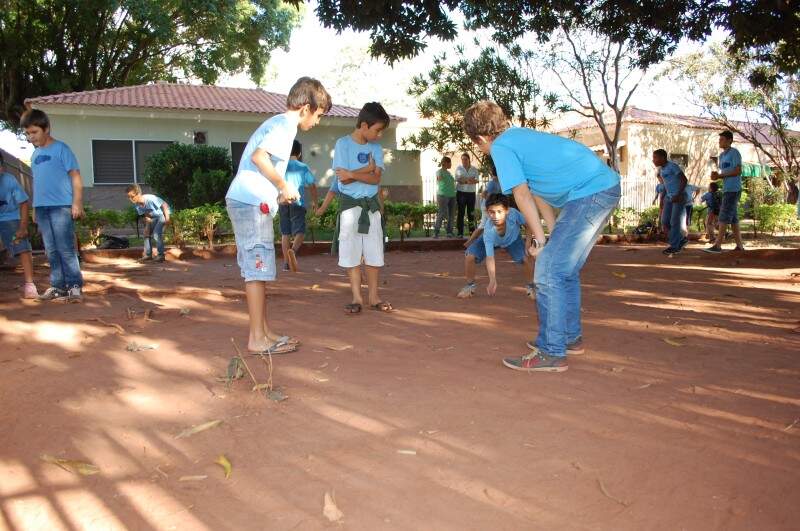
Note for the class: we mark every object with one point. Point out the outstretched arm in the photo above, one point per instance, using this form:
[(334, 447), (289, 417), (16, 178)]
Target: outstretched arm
[(491, 270), (324, 206)]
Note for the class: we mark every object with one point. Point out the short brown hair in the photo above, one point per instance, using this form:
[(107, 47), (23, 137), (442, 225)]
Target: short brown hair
[(373, 113), (134, 188), (727, 134), (308, 91), (35, 118), (485, 118)]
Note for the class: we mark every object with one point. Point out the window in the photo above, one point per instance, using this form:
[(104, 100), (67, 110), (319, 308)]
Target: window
[(114, 161), (237, 148), (680, 159)]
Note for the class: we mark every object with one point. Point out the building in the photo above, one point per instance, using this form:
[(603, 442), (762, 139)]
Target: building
[(690, 141), (114, 131)]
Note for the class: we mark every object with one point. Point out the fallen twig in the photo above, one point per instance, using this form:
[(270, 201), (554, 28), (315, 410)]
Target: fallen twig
[(609, 496), (106, 323)]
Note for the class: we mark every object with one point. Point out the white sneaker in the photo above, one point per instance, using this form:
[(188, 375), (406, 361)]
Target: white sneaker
[(74, 294), (52, 294)]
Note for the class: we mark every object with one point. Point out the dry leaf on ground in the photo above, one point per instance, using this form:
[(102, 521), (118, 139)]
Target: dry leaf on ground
[(407, 452), (339, 348), (618, 274), (225, 464), (329, 508), (71, 465), (133, 346), (192, 478), (188, 432), (675, 341)]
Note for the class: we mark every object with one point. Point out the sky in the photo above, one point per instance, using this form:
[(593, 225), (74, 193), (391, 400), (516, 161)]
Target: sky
[(339, 59)]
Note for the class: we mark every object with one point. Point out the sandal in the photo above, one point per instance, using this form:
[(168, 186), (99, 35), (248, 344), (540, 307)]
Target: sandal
[(277, 347), (288, 340), (352, 308), (382, 306)]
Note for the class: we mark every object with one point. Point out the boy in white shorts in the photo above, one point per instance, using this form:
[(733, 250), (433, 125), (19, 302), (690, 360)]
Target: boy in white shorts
[(358, 163)]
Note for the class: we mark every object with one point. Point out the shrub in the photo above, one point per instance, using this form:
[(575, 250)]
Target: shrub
[(171, 171), (209, 186), (94, 222), (649, 215), (198, 224), (772, 218), (624, 218)]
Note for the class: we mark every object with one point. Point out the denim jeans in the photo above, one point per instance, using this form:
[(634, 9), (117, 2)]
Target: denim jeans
[(154, 230), (558, 268), (673, 219), (58, 233), (446, 207)]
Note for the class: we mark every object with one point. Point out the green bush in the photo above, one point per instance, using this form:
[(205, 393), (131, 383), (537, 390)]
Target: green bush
[(649, 215), (405, 216), (171, 171), (624, 219), (94, 222), (198, 224), (209, 186), (773, 218)]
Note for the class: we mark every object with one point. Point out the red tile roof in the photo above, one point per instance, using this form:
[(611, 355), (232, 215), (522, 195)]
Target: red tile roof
[(186, 98)]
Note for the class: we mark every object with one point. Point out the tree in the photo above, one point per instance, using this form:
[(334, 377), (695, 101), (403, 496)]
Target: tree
[(745, 95), (52, 46), (599, 77), (450, 87), (400, 29)]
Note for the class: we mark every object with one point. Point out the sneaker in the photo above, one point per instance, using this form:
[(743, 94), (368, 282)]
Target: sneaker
[(467, 291), (285, 267), (684, 242), (74, 294), (669, 251), (160, 258), (713, 249), (536, 361), (530, 290), (30, 291), (52, 294), (145, 259), (573, 349)]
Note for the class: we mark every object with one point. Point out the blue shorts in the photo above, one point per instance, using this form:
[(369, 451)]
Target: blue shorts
[(516, 250), (255, 241), (728, 212), (293, 219), (8, 231)]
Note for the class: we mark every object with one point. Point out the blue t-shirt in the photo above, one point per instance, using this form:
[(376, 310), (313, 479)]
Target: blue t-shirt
[(299, 176), (275, 136), (350, 155), (728, 160), (555, 168), (151, 207), (52, 185), (493, 187), (491, 239), (11, 195), (689, 190), (671, 173), (711, 199), (660, 189)]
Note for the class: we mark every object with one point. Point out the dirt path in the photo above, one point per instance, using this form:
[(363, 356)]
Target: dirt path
[(409, 417)]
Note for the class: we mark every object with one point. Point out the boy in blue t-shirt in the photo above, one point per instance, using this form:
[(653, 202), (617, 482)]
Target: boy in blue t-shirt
[(563, 174), (502, 229), (14, 216), (58, 202), (156, 215), (712, 201), (358, 163), (730, 171), (293, 215), (673, 218), (253, 198)]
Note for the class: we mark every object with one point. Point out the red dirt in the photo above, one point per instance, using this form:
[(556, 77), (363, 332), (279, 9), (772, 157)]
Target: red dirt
[(638, 434)]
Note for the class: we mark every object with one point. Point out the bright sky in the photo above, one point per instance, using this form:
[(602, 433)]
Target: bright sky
[(337, 60)]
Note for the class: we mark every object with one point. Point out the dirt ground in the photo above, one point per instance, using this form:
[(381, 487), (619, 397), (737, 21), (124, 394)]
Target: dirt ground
[(409, 419)]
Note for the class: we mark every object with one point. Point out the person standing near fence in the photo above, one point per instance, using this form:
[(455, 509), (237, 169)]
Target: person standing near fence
[(467, 181), (445, 197)]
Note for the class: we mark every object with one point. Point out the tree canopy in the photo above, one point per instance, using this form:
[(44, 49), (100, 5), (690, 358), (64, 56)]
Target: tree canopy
[(399, 29), (54, 46)]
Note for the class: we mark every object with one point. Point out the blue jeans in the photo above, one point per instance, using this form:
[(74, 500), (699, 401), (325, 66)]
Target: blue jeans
[(558, 268), (154, 230), (673, 220), (58, 233)]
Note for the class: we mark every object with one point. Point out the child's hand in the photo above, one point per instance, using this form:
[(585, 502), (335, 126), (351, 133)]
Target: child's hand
[(491, 289), (318, 212), (77, 211), (287, 195), (21, 234), (533, 251), (166, 220), (345, 177)]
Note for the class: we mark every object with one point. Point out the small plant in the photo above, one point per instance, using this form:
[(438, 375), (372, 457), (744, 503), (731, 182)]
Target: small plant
[(94, 222)]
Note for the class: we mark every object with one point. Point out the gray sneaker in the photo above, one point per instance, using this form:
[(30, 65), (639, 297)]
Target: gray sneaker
[(467, 291), (530, 291), (53, 294), (574, 348), (74, 294)]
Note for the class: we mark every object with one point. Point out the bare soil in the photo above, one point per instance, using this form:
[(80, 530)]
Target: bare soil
[(684, 413)]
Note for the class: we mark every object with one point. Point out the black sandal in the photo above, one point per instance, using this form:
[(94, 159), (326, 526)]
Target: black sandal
[(382, 306), (352, 308)]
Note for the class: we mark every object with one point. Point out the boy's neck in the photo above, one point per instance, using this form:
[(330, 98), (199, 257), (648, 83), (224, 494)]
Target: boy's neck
[(47, 141), (358, 137), (500, 228), (293, 115)]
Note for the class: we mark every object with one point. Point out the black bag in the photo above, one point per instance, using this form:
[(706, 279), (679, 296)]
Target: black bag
[(114, 242)]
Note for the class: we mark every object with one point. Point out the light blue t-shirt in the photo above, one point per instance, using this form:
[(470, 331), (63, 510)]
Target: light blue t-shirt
[(350, 155), (555, 168), (729, 159), (491, 239), (275, 136), (493, 187), (671, 173), (660, 189), (299, 176), (52, 185), (689, 190), (11, 195), (151, 207)]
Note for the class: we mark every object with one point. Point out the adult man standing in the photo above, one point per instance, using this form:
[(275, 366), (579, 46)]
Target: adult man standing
[(730, 171), (466, 183), (673, 218)]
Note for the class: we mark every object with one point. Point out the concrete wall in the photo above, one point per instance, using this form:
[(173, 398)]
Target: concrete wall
[(79, 126)]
